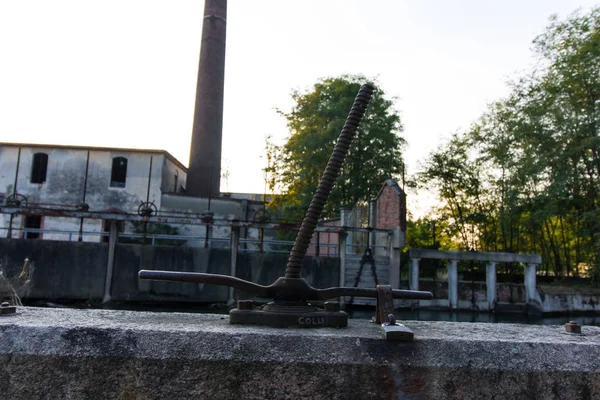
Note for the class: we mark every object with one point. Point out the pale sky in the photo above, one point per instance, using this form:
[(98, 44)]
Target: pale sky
[(122, 73)]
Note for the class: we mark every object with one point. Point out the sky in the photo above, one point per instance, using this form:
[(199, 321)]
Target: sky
[(122, 73)]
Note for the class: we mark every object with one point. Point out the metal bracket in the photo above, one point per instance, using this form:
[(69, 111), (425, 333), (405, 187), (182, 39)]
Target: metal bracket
[(292, 314), (395, 331), (7, 309)]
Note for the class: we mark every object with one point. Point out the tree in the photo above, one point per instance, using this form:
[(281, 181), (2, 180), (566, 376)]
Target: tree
[(315, 122), (529, 169)]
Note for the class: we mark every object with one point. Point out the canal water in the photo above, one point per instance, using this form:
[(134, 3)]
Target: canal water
[(469, 316)]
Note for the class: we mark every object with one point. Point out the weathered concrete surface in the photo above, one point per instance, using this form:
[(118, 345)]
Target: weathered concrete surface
[(75, 354), (77, 271), (63, 270)]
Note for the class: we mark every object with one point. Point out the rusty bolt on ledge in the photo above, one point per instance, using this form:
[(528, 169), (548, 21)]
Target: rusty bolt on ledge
[(573, 327), (7, 309)]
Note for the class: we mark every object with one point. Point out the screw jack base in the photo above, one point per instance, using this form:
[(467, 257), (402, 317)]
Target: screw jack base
[(290, 314)]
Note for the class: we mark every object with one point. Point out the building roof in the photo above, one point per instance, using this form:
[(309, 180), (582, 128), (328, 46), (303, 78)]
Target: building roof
[(73, 147)]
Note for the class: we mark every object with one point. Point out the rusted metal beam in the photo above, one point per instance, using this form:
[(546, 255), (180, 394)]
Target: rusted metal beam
[(175, 219)]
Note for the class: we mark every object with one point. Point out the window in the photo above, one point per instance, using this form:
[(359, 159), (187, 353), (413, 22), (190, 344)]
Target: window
[(176, 181), (119, 172), (33, 222), (39, 167)]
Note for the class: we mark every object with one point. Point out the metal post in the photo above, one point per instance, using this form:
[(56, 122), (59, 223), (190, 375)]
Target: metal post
[(453, 284), (413, 274), (490, 278), (10, 223), (342, 237), (234, 244), (372, 224), (112, 244), (85, 180)]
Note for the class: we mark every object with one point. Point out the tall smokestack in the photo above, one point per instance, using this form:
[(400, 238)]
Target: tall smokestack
[(204, 174)]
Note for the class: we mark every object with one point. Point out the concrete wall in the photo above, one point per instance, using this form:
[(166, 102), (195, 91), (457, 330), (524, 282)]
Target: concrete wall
[(77, 271), (557, 303), (63, 270), (172, 174), (104, 354), (129, 259), (223, 208), (262, 268)]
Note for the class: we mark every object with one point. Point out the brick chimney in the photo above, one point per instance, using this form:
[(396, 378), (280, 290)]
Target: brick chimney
[(204, 174)]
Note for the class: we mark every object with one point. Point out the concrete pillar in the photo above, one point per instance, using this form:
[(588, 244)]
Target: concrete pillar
[(110, 264), (342, 254), (413, 274), (490, 280), (234, 242), (395, 255), (345, 213), (530, 282), (453, 284)]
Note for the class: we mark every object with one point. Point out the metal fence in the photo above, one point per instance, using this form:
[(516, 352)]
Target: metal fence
[(244, 245)]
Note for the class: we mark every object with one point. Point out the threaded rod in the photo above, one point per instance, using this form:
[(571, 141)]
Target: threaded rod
[(307, 229)]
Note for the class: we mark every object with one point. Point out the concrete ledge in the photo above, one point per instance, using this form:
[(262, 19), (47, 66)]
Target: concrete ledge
[(78, 354), (475, 256)]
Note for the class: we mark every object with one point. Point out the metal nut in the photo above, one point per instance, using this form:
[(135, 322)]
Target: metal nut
[(7, 309), (245, 304), (332, 306), (573, 327)]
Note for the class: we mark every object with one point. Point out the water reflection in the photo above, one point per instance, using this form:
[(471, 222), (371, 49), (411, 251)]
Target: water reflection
[(468, 316)]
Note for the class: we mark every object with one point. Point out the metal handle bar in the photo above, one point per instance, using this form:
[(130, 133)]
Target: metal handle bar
[(290, 288)]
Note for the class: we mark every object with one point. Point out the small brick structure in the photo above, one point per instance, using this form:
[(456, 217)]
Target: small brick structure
[(390, 207)]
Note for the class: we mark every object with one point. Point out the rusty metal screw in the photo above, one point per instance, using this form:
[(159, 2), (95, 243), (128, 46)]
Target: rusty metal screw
[(245, 304), (332, 306), (572, 327), (336, 160)]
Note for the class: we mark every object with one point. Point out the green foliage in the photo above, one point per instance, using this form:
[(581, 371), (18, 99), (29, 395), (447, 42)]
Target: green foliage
[(526, 176), (314, 123)]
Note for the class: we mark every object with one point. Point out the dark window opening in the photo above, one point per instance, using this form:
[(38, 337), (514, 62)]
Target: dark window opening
[(176, 179), (32, 222), (119, 172), (39, 168)]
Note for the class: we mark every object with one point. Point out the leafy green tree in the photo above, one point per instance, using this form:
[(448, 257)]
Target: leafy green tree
[(526, 176), (315, 122)]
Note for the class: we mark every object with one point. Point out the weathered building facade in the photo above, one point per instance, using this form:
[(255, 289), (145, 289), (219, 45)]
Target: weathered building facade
[(86, 178)]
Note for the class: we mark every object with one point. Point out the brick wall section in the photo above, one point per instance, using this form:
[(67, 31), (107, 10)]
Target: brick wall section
[(328, 241), (391, 207)]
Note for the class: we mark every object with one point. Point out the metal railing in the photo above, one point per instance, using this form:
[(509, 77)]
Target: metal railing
[(247, 245)]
